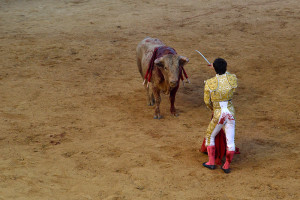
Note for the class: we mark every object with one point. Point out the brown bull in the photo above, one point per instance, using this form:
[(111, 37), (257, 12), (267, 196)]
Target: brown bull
[(162, 69)]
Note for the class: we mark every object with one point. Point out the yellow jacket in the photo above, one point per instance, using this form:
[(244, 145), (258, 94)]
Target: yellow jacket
[(219, 88)]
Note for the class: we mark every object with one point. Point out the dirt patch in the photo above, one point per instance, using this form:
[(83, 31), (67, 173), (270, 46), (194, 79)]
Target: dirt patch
[(73, 113)]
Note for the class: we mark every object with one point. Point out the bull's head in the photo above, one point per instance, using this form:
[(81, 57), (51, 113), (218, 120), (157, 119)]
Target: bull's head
[(171, 65)]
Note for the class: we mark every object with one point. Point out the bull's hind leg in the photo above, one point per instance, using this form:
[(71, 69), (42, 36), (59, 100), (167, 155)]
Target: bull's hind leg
[(156, 93), (150, 96)]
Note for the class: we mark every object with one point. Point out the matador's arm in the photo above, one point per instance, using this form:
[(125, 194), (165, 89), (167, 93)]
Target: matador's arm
[(207, 99)]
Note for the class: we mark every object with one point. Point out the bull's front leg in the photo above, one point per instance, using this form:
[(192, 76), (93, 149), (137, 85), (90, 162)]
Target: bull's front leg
[(156, 93), (172, 100)]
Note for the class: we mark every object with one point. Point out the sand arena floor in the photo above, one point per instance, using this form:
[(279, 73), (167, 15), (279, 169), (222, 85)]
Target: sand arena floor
[(73, 114)]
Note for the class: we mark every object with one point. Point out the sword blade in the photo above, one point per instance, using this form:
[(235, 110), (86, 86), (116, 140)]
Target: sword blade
[(203, 56)]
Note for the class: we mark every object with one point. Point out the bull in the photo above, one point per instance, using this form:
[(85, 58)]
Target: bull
[(161, 68)]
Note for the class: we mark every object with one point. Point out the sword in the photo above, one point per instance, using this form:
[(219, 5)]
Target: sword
[(204, 57)]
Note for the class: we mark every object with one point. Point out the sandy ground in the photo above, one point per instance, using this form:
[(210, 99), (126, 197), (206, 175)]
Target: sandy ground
[(73, 114)]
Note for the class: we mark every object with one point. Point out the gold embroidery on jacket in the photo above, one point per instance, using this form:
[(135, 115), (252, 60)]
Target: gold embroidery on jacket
[(218, 88)]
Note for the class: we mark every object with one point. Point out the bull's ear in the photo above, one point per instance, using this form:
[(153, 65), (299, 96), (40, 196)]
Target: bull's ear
[(183, 60), (159, 62)]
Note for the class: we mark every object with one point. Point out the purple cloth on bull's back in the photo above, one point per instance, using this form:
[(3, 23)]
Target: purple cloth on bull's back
[(164, 50)]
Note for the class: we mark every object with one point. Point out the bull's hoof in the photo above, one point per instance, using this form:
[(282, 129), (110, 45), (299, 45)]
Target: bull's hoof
[(175, 114), (157, 117), (151, 104)]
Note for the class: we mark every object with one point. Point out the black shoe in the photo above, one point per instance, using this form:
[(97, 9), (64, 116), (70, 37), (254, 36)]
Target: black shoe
[(227, 171), (209, 166)]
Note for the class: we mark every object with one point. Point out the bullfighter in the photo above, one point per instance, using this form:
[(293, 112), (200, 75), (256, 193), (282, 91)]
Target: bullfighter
[(218, 93)]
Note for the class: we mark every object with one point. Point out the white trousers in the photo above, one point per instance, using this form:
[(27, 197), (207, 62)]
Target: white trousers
[(227, 121)]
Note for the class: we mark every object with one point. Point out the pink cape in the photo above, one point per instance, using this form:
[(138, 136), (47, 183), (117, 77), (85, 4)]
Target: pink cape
[(220, 143)]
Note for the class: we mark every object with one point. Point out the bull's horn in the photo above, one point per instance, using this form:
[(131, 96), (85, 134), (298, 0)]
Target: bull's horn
[(184, 59), (159, 61)]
